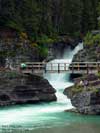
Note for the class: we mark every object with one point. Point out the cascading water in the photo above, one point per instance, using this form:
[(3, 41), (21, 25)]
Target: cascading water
[(48, 114), (60, 81)]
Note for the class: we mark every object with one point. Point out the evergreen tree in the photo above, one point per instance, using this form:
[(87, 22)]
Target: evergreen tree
[(36, 17)]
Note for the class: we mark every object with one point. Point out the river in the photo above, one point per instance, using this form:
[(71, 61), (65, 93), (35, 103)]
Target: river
[(49, 117)]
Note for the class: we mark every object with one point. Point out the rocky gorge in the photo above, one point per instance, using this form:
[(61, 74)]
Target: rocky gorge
[(16, 88)]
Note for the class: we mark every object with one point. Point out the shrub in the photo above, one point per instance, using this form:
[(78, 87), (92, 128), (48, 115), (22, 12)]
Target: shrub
[(77, 89), (88, 40), (43, 51), (34, 45), (23, 36), (91, 39), (44, 39)]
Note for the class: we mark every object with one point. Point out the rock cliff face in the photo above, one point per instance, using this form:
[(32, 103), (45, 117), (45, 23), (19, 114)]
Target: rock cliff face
[(56, 50), (88, 54), (21, 51), (86, 99), (17, 51), (19, 89)]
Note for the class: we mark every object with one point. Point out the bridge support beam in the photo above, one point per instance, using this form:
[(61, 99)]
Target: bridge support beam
[(72, 69), (87, 69), (65, 67), (98, 68), (32, 69), (45, 68), (58, 68)]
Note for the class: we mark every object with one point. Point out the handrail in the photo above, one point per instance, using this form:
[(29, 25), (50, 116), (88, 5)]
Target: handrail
[(87, 67), (63, 63)]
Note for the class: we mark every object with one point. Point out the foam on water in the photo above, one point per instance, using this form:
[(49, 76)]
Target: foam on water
[(34, 114), (61, 81)]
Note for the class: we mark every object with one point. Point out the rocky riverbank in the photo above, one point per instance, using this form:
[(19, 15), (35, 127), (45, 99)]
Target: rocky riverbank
[(85, 98), (16, 88)]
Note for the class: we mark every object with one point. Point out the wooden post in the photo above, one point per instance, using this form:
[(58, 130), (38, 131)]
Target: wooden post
[(87, 69), (19, 69), (65, 67), (78, 67), (72, 68), (58, 68), (45, 68), (98, 67), (32, 69), (39, 66), (51, 67)]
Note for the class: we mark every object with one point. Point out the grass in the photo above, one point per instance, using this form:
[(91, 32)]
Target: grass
[(78, 89)]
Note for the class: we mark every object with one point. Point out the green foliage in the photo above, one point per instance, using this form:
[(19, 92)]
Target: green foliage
[(77, 89), (43, 50), (96, 38), (98, 74), (44, 21), (89, 15), (19, 28), (49, 17), (98, 11), (91, 39), (88, 40), (44, 39)]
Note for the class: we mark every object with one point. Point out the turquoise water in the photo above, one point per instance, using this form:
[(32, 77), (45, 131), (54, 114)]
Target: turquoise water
[(23, 119), (49, 117)]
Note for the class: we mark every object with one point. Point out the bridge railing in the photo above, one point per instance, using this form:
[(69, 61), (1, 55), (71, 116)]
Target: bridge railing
[(61, 67), (88, 67)]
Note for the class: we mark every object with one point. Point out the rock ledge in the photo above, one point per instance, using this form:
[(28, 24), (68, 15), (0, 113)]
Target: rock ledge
[(16, 88)]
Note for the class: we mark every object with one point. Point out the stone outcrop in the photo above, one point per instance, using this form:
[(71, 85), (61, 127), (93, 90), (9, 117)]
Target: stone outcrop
[(17, 88), (88, 54), (22, 51), (56, 50), (86, 99)]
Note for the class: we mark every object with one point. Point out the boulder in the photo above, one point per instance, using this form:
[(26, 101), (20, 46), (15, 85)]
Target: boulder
[(16, 88), (85, 99)]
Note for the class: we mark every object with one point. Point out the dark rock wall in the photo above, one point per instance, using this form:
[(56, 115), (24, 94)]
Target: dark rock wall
[(88, 54), (86, 99), (25, 89), (20, 50)]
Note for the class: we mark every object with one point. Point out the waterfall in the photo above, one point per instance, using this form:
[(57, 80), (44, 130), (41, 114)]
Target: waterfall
[(60, 81)]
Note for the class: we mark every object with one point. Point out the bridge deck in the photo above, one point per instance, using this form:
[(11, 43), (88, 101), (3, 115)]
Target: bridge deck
[(74, 67)]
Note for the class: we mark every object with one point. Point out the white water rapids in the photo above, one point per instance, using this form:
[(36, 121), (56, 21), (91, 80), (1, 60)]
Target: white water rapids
[(41, 114), (60, 81)]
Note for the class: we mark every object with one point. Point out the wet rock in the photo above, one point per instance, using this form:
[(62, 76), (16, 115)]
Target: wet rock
[(25, 89), (72, 111), (88, 54), (86, 99), (4, 97)]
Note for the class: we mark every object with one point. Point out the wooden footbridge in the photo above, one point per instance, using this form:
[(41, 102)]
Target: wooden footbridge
[(74, 67)]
